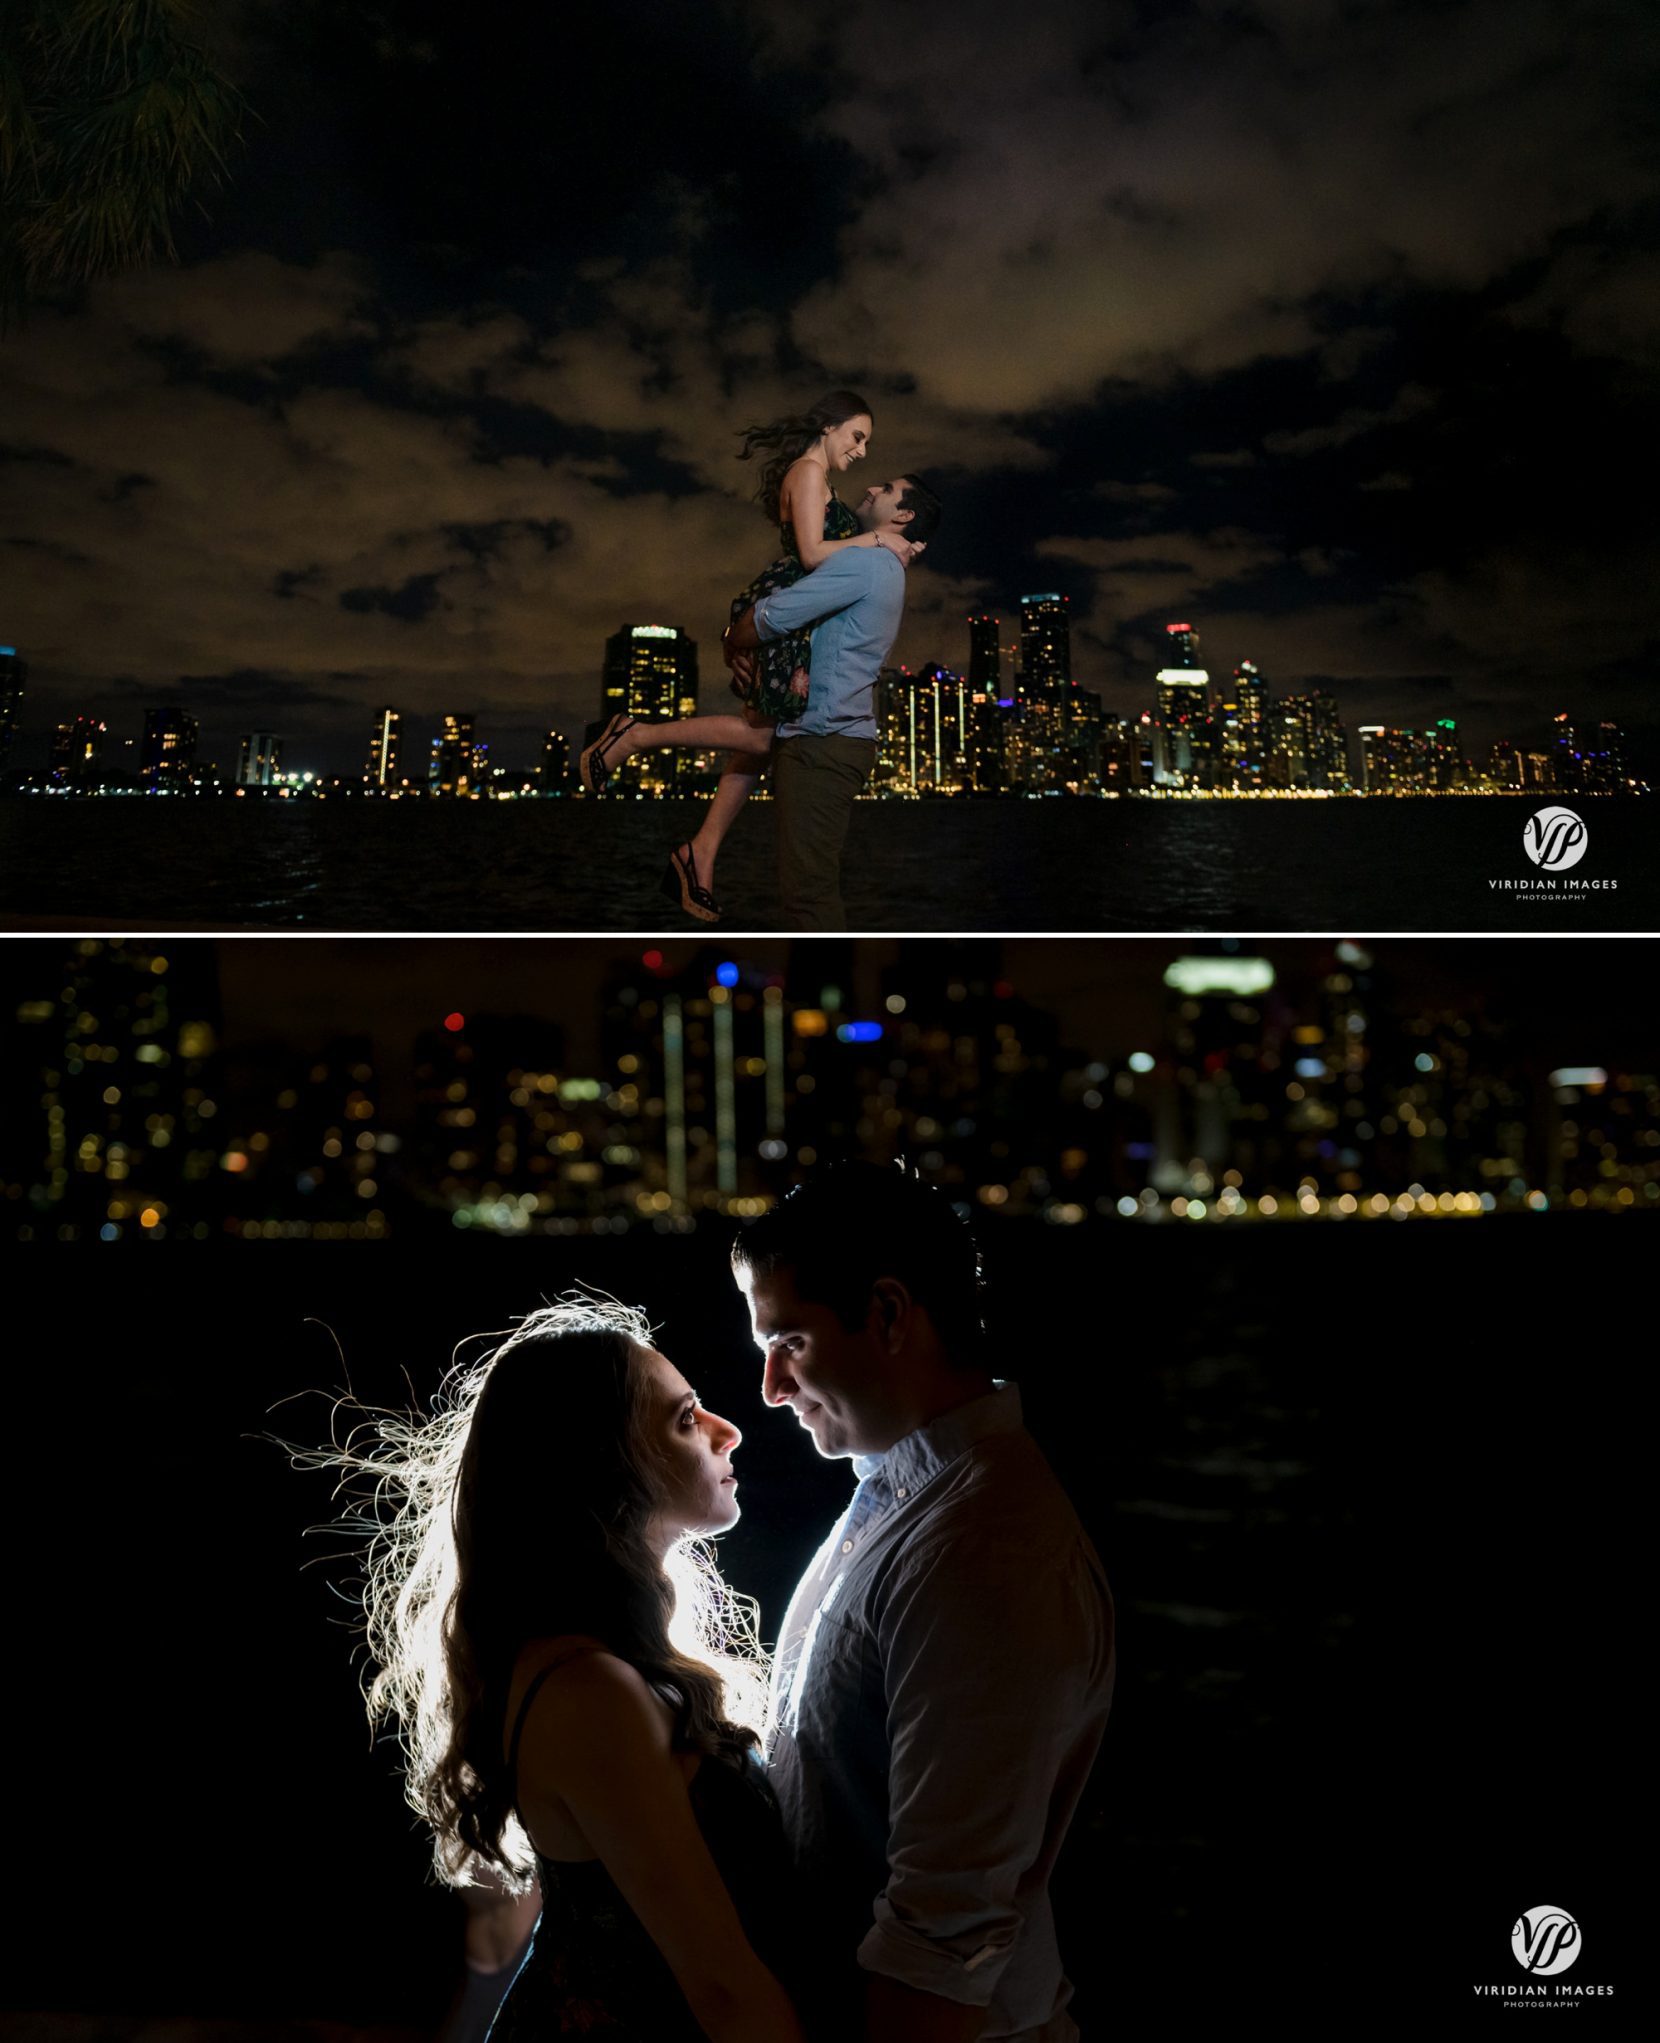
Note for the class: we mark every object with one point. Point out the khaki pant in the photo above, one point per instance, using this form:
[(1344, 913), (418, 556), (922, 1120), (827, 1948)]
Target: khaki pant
[(815, 782)]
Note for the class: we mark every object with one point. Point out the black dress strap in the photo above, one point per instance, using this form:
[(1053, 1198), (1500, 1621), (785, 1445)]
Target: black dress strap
[(561, 1659)]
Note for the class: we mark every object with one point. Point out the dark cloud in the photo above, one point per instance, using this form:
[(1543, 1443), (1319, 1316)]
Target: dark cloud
[(417, 598), (489, 541), (20, 454), (54, 549)]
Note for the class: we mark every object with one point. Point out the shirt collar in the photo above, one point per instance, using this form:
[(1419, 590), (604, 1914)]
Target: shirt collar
[(913, 1461)]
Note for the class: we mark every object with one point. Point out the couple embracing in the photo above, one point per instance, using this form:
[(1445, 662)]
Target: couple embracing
[(805, 645), (569, 1670)]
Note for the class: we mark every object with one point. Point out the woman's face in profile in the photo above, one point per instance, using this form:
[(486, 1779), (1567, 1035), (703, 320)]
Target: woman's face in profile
[(694, 1451), (845, 444)]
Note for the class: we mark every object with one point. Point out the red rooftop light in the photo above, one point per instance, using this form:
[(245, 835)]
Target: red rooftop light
[(455, 1023)]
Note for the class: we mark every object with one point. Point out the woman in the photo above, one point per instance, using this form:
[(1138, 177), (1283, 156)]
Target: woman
[(796, 494), (570, 1677)]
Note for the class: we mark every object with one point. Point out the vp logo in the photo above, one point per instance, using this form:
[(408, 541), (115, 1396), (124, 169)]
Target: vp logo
[(1554, 839), (1545, 1940)]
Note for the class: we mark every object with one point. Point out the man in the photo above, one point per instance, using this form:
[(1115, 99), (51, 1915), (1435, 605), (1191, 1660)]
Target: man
[(944, 1671), (820, 763)]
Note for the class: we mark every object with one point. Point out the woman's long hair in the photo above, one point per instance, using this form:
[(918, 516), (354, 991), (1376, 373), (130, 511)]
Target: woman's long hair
[(787, 439), (519, 1509)]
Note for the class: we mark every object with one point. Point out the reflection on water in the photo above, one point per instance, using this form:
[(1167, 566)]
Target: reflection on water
[(922, 866)]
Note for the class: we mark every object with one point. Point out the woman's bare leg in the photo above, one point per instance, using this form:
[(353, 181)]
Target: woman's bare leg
[(737, 783), (694, 734)]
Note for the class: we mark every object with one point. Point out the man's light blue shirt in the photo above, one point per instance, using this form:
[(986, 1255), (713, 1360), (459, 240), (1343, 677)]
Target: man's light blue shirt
[(856, 600)]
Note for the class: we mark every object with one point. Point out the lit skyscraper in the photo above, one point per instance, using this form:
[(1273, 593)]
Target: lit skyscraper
[(1391, 761), (651, 671), (260, 760), (1227, 725), (1183, 710), (1290, 759), (1589, 761), (13, 674), (987, 768), (1378, 748), (1083, 726), (1607, 770), (454, 768), (1309, 749), (950, 706), (1045, 646), (985, 658), (1446, 766), (385, 750), (1241, 720), (928, 728), (1328, 743), (78, 752), (1565, 752), (891, 774), (169, 756), (556, 762)]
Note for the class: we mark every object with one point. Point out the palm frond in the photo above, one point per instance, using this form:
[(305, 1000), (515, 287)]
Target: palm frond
[(110, 117)]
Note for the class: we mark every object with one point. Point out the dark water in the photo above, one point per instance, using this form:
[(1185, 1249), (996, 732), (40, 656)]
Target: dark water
[(1412, 864)]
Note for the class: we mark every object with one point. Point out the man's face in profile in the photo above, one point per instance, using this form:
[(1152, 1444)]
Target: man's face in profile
[(826, 1375), (879, 506)]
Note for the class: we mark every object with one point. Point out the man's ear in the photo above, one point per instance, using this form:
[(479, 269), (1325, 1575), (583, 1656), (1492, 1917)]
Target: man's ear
[(891, 1306), (902, 517)]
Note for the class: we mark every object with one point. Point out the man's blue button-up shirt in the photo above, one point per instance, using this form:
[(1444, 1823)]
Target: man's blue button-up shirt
[(855, 600)]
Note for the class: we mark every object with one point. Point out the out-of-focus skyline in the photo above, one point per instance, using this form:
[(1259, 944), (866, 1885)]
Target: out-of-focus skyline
[(1327, 327), (1570, 1001), (148, 1089)]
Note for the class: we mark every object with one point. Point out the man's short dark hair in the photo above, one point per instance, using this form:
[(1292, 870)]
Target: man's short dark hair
[(855, 1222), (924, 506)]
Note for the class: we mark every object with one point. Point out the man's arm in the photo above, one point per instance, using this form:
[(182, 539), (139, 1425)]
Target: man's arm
[(979, 1736), (899, 2014), (839, 583), (740, 636)]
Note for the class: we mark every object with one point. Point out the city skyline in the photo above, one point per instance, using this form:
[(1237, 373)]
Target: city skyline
[(669, 1088), (392, 431), (1205, 732)]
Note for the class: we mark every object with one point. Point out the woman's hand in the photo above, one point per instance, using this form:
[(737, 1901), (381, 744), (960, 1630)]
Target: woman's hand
[(904, 550)]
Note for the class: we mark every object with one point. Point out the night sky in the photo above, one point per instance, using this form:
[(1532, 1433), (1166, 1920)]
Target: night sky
[(1328, 326)]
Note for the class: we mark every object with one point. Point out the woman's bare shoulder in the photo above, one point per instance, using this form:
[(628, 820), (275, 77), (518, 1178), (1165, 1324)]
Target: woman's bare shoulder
[(582, 1683), (804, 472)]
